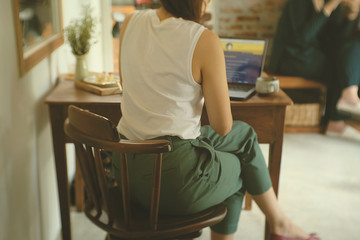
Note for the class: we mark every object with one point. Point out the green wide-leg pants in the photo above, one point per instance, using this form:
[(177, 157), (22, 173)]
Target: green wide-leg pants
[(202, 172)]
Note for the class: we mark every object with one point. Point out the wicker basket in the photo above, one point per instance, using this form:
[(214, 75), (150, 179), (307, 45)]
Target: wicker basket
[(308, 114)]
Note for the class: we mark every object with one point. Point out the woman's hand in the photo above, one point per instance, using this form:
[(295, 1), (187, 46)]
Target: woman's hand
[(318, 5), (330, 6), (352, 7)]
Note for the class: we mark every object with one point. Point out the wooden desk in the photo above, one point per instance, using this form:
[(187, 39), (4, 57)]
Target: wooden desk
[(265, 114)]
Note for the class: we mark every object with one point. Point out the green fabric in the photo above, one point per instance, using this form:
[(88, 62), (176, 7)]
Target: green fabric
[(200, 173)]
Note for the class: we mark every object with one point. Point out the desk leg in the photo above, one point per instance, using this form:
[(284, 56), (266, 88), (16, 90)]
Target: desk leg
[(275, 151), (57, 118)]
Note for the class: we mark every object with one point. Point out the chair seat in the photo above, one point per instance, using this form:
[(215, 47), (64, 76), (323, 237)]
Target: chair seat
[(188, 226)]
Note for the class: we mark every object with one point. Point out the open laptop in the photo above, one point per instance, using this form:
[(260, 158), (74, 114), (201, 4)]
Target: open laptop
[(244, 60)]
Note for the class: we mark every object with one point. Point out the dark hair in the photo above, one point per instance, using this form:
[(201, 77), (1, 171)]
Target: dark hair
[(186, 9)]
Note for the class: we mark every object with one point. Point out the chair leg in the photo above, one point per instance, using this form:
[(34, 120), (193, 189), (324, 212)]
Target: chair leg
[(79, 189), (248, 200)]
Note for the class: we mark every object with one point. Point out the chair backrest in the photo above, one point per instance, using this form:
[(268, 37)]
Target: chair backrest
[(91, 134)]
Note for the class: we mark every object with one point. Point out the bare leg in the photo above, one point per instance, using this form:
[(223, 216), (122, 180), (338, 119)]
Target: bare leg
[(279, 223), (336, 126), (350, 95), (217, 236)]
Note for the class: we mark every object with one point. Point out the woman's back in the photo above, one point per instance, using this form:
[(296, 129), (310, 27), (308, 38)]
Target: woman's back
[(156, 61)]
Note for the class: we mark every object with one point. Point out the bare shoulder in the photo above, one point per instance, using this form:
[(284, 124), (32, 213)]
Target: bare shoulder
[(127, 19), (122, 32), (209, 39), (124, 25), (128, 16), (208, 47)]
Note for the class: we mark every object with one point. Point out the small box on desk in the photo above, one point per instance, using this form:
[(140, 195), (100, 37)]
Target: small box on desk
[(96, 89), (93, 88)]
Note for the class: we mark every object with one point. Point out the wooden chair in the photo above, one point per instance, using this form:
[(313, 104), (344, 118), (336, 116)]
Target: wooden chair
[(111, 208)]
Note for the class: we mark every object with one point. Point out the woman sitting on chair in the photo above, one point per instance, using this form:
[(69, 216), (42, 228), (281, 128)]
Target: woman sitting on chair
[(169, 66)]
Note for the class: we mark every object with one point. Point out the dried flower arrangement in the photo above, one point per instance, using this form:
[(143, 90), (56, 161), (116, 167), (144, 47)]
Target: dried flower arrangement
[(80, 32)]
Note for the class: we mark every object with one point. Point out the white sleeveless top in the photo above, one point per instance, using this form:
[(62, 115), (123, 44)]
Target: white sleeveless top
[(160, 95)]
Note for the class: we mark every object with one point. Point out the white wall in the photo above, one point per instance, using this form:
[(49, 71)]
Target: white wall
[(29, 206)]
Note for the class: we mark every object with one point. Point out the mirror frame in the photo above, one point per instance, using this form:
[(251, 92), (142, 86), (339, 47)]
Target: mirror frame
[(31, 57)]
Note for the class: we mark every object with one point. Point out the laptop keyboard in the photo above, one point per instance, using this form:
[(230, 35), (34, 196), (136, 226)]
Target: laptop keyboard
[(241, 87)]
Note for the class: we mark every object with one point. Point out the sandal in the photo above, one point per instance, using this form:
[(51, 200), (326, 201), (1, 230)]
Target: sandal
[(349, 109)]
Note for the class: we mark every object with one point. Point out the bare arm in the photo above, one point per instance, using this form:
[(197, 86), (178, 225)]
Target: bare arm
[(209, 68), (122, 32), (353, 8), (330, 6)]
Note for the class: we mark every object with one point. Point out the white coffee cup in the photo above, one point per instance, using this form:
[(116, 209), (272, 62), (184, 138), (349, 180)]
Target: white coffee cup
[(267, 85)]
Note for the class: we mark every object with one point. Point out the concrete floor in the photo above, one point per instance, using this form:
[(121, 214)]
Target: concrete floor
[(319, 190)]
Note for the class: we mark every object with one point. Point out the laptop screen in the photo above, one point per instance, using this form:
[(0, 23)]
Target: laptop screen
[(244, 59)]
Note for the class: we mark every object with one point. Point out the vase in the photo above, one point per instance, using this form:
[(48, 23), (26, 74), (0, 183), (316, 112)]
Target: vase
[(81, 69)]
